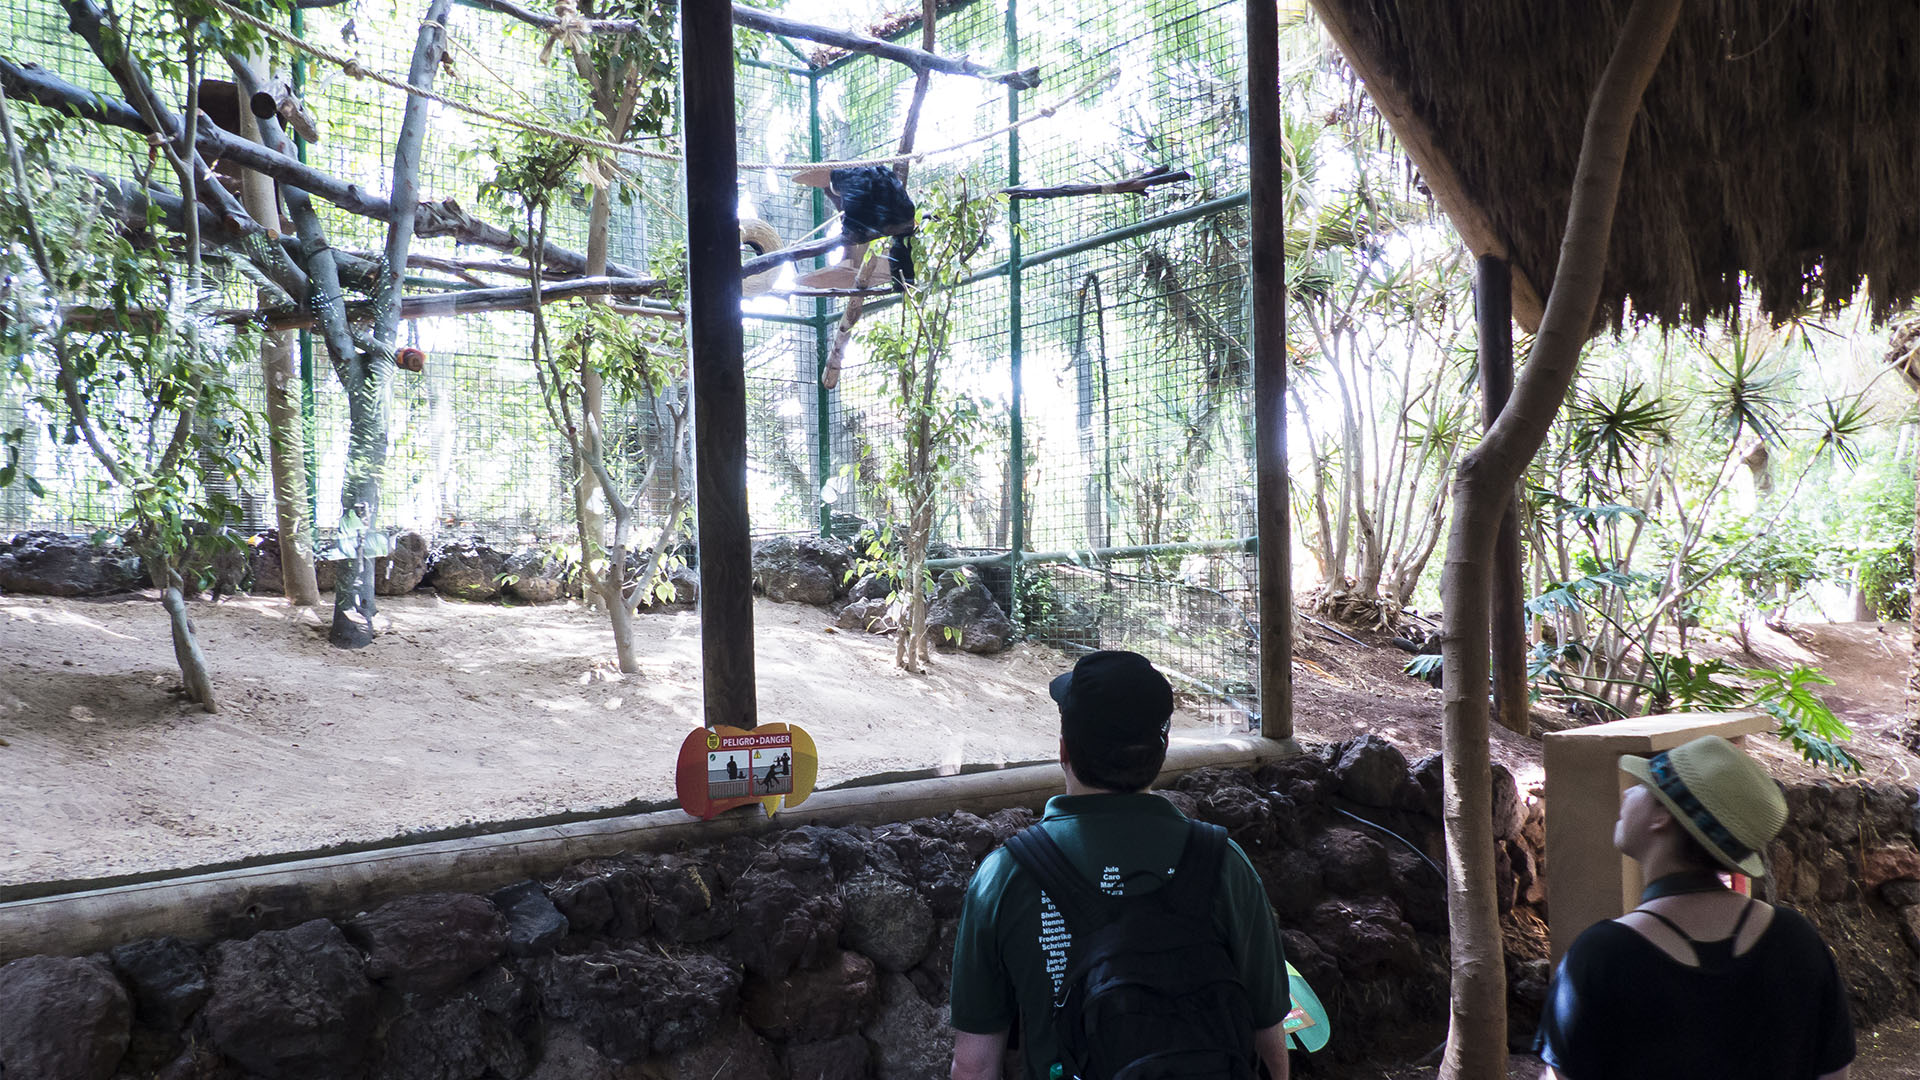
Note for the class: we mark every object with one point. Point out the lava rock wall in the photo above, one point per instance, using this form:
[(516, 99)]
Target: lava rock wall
[(819, 952)]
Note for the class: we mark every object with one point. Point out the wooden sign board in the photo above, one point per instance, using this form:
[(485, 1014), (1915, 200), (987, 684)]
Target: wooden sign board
[(724, 767)]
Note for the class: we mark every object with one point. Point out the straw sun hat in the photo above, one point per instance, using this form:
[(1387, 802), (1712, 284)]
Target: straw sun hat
[(1720, 795)]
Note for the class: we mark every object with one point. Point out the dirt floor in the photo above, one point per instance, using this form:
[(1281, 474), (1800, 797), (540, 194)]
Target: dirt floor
[(474, 713), (458, 713)]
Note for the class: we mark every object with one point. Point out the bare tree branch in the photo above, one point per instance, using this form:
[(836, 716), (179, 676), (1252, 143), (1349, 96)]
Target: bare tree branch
[(443, 218), (1133, 185), (475, 301)]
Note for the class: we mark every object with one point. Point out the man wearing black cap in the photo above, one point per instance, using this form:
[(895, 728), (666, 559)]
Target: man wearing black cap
[(1012, 949)]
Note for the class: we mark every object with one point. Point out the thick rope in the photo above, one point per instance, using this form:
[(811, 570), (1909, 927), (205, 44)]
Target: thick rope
[(352, 66)]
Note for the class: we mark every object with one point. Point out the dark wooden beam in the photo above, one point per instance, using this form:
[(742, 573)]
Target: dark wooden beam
[(1493, 306), (1268, 270), (719, 369)]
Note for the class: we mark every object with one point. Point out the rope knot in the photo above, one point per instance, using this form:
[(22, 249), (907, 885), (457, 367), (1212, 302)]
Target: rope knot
[(354, 68)]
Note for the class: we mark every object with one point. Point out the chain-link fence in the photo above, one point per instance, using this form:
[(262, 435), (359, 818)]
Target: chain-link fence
[(1106, 333)]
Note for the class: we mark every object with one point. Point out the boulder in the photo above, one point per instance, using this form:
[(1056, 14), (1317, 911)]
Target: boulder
[(966, 617), (1294, 884), (871, 587), (534, 925), (910, 1038), (263, 558), (1889, 862), (735, 1053), (785, 919), (632, 1003), (1366, 936), (168, 979), (1370, 770), (845, 1058), (614, 898), (467, 570), (1351, 861), (1900, 893), (868, 615), (535, 576), (687, 903), (1509, 813), (291, 1003), (476, 1034), (820, 1003), (886, 919), (62, 1018), (431, 941), (401, 570), (686, 586), (803, 570), (44, 563)]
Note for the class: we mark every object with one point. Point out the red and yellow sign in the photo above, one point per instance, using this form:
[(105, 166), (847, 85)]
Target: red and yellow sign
[(724, 767)]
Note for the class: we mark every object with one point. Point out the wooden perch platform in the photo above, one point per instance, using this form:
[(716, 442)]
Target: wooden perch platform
[(475, 301), (1133, 185)]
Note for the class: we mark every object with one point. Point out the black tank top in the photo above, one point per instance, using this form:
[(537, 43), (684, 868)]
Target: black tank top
[(1622, 1008)]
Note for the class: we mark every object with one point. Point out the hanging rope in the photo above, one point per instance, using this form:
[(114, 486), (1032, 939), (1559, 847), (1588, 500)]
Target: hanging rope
[(352, 66)]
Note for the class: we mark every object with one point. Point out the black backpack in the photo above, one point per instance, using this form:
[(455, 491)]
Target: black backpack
[(1150, 990)]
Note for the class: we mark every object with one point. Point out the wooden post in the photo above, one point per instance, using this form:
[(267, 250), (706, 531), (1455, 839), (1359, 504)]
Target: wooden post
[(1269, 276), (1493, 306), (1587, 880), (718, 366)]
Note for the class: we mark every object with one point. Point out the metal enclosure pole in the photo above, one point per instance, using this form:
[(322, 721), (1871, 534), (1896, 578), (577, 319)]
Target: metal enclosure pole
[(1267, 257), (1016, 431), (716, 341), (822, 341), (1493, 309), (309, 450)]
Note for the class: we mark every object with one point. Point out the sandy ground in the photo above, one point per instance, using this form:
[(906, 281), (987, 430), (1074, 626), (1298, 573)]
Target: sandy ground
[(477, 713), (458, 713)]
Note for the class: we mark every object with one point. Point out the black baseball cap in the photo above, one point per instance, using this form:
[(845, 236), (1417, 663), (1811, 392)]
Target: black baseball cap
[(1114, 697)]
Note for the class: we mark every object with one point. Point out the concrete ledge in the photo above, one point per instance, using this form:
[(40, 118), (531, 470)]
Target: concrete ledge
[(1587, 880), (236, 903)]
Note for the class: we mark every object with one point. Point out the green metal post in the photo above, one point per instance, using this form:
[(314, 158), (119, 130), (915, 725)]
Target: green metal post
[(307, 405), (822, 343), (1017, 461)]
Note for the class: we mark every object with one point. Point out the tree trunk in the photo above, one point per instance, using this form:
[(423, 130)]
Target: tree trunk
[(1493, 295), (186, 647), (286, 444), (593, 525), (286, 439), (1477, 1028), (363, 373), (1913, 620), (353, 587)]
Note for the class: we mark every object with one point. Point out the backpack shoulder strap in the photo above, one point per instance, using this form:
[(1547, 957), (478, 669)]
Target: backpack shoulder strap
[(1197, 876), (1081, 903)]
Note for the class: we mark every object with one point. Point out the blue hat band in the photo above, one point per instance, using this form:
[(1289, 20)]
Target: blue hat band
[(1676, 789)]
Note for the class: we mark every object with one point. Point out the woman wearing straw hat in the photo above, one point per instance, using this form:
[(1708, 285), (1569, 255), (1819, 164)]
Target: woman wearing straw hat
[(1698, 981)]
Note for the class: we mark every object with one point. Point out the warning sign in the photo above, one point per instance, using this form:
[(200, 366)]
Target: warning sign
[(722, 767), (750, 766)]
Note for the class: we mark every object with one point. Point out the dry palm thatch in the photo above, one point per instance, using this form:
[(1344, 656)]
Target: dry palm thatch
[(1776, 148)]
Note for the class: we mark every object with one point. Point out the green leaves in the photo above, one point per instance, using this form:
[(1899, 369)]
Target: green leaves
[(1613, 429), (1568, 595), (1806, 722)]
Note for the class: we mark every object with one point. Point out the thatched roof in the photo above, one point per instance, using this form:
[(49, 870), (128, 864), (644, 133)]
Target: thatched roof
[(1779, 144)]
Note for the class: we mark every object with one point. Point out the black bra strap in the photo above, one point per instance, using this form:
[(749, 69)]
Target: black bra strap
[(1670, 924), (1734, 938)]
